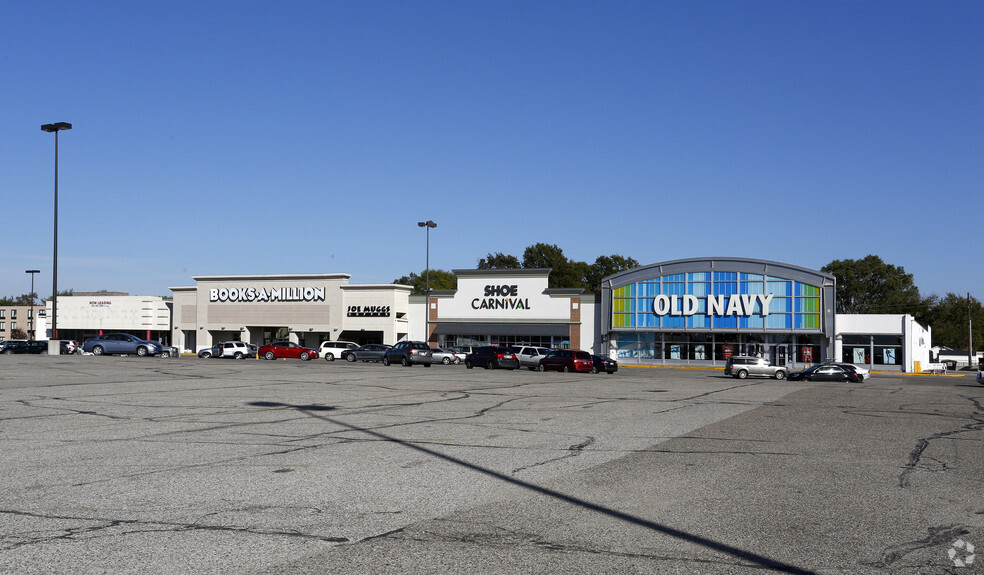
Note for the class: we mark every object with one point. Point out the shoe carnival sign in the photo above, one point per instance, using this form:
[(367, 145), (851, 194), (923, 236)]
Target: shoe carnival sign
[(501, 297), (288, 294), (687, 305)]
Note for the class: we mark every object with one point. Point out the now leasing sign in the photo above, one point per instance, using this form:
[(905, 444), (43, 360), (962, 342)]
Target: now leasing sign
[(687, 305)]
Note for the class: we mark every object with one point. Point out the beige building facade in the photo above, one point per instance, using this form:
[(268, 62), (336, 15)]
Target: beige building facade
[(306, 309)]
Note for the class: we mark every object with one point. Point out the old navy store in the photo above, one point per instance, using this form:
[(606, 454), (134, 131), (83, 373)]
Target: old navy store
[(706, 310)]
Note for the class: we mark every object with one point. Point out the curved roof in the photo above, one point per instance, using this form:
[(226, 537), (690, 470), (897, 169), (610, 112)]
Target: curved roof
[(719, 264)]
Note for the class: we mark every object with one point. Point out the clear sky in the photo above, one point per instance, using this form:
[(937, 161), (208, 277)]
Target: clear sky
[(247, 137)]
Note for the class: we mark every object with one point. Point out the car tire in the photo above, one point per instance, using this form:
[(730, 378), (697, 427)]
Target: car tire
[(141, 351), (405, 362), (350, 358), (305, 356), (567, 369), (594, 370), (386, 360), (541, 367), (205, 355), (239, 355), (329, 356), (741, 374), (446, 361), (457, 360), (269, 355), (780, 374)]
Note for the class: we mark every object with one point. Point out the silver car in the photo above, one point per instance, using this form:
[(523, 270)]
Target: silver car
[(742, 366), (448, 356), (529, 356)]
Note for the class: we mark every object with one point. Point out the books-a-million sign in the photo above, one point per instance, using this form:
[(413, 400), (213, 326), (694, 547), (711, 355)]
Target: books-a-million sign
[(287, 294)]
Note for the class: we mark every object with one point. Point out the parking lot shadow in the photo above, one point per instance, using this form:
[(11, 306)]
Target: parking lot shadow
[(741, 554)]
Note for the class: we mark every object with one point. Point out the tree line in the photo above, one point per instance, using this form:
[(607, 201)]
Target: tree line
[(864, 286)]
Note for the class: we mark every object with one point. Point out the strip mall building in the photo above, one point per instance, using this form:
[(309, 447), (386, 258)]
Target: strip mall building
[(694, 311)]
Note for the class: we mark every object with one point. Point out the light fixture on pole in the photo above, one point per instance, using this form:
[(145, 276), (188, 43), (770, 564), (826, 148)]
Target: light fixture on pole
[(53, 341), (34, 321), (427, 225)]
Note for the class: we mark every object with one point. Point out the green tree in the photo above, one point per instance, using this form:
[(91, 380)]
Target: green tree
[(952, 318), (605, 266), (499, 261), (870, 285), (564, 273), (439, 279)]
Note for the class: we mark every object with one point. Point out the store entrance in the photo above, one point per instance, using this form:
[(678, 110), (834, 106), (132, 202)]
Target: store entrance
[(779, 354)]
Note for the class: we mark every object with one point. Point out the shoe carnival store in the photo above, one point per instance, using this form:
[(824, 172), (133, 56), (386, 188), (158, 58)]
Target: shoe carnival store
[(706, 310), (507, 307), (306, 309)]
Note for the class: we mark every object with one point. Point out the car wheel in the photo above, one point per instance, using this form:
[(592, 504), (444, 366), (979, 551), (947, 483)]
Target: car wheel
[(141, 351), (567, 369), (468, 364), (404, 362), (269, 355), (541, 367), (457, 360), (239, 355), (329, 357), (98, 350), (594, 370), (780, 374), (446, 361), (386, 360), (742, 374), (305, 356), (350, 358), (205, 355)]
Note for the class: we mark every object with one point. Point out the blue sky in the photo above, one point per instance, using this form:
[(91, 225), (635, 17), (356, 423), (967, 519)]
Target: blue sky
[(250, 137)]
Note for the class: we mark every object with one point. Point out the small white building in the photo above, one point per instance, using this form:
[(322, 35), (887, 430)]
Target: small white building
[(882, 341)]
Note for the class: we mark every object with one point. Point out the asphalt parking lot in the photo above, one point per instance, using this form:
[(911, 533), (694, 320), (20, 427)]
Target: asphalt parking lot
[(149, 465)]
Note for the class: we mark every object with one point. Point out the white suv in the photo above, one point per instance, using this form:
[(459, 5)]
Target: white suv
[(236, 349), (332, 350)]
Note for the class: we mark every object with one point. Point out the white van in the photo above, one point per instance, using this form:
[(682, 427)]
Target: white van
[(330, 350)]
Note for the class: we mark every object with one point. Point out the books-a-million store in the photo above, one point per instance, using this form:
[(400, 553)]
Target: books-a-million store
[(710, 309), (304, 308)]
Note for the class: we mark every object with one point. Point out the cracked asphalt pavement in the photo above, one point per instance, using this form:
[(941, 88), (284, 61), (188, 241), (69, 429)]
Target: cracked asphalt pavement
[(149, 465)]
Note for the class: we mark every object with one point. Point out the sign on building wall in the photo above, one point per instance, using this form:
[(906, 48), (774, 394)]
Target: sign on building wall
[(282, 294)]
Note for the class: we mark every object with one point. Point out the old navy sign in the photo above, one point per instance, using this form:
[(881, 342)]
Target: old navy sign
[(288, 294), (738, 305)]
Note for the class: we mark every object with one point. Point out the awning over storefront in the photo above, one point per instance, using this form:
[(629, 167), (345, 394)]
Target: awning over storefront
[(541, 329)]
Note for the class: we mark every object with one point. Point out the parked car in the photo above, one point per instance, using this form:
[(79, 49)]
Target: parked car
[(566, 360), (742, 366), (287, 349), (332, 350), (370, 352), (465, 349), (121, 343), (69, 346), (980, 376), (169, 351), (210, 351), (603, 363), (492, 357), (529, 356), (19, 347), (864, 373), (235, 350), (827, 372), (448, 356), (407, 353)]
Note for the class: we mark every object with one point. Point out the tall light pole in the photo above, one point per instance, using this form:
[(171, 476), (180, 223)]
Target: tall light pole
[(34, 320), (53, 342), (427, 306)]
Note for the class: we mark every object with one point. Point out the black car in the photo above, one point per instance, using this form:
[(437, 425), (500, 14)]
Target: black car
[(407, 353), (492, 357), (827, 372), (35, 347), (370, 352), (604, 363)]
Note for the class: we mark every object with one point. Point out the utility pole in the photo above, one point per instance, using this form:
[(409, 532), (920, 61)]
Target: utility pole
[(970, 341)]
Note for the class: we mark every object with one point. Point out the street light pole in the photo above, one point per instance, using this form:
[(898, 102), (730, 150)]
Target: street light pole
[(427, 225), (34, 320), (53, 341)]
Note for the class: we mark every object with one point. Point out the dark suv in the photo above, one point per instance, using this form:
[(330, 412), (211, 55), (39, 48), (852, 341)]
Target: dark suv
[(492, 357), (742, 366), (408, 353)]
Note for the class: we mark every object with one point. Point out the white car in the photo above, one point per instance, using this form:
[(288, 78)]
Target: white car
[(332, 350)]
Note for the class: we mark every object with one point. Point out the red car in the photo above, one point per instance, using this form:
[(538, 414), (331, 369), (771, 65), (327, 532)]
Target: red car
[(283, 349), (567, 360)]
